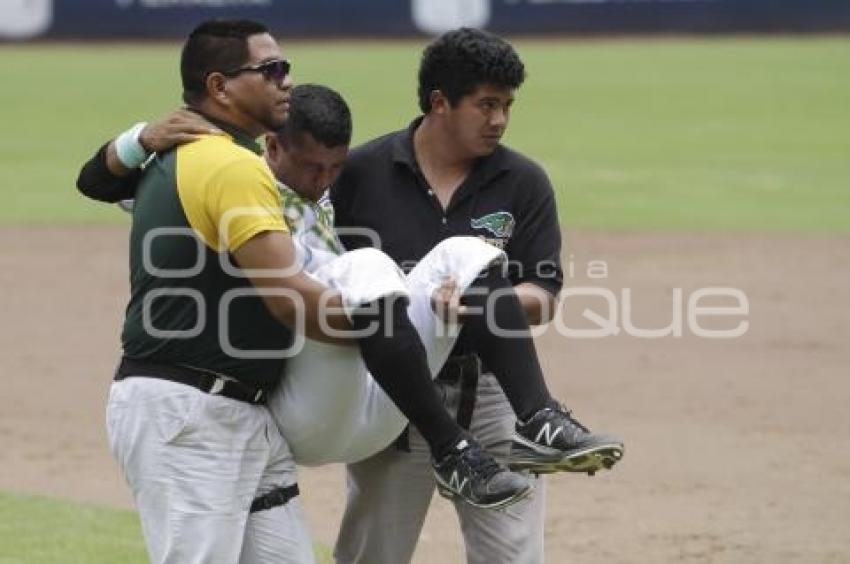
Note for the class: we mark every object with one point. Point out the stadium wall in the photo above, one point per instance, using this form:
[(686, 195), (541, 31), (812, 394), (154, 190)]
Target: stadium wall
[(155, 19)]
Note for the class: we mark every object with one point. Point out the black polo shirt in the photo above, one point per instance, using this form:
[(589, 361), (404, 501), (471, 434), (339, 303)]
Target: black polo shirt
[(506, 199)]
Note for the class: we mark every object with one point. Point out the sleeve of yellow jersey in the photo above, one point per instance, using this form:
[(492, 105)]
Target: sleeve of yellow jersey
[(243, 201)]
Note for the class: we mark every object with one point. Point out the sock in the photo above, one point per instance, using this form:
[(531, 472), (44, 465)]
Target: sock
[(513, 360), (397, 360)]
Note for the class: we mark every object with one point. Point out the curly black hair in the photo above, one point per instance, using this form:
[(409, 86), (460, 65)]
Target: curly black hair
[(214, 45), (460, 61), (319, 111)]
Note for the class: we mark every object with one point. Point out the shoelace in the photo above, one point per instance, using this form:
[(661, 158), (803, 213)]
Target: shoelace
[(568, 415), (479, 463)]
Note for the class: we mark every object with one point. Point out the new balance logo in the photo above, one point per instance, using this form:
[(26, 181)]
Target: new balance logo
[(217, 387), (547, 433), (456, 483)]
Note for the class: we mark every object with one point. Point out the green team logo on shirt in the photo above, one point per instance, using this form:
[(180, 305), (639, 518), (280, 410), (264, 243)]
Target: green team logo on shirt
[(501, 223)]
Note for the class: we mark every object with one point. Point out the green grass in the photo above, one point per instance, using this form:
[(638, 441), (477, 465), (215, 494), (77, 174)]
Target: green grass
[(707, 134), (37, 530)]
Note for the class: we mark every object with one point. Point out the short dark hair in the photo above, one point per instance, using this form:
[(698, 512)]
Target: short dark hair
[(215, 45), (460, 61), (319, 111)]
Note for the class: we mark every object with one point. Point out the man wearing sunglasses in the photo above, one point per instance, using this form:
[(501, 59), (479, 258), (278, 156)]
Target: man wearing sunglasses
[(211, 476)]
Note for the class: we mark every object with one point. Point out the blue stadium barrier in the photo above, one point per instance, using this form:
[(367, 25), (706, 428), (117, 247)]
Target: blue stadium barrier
[(153, 19)]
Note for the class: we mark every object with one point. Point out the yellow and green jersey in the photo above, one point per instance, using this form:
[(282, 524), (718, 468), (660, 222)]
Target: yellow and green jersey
[(190, 304)]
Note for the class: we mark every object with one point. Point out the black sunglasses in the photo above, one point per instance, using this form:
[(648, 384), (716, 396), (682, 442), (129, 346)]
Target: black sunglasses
[(276, 70)]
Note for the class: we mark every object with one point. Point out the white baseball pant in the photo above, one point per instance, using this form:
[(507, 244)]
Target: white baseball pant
[(328, 407), (195, 462)]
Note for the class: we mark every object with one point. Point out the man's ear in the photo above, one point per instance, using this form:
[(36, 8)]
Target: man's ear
[(439, 102), (216, 84)]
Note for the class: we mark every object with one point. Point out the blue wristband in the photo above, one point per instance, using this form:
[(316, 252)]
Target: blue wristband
[(128, 148)]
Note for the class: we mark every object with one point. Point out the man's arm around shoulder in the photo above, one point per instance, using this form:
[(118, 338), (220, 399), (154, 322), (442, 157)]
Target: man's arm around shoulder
[(113, 173)]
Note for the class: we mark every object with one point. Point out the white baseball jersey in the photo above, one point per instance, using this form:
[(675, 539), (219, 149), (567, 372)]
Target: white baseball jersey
[(311, 225)]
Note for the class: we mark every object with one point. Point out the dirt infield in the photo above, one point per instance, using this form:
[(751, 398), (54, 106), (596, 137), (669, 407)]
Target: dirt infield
[(737, 449)]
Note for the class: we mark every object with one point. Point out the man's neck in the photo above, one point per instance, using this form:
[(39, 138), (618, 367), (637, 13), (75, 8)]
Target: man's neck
[(441, 162), (436, 150), (221, 114)]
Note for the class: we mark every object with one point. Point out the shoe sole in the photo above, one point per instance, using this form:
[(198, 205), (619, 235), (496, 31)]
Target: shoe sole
[(588, 460), (452, 495)]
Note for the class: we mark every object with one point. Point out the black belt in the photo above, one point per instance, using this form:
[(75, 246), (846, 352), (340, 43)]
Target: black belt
[(275, 498), (206, 381), (464, 370)]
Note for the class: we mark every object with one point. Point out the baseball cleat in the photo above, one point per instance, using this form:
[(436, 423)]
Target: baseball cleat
[(469, 473), (554, 441)]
